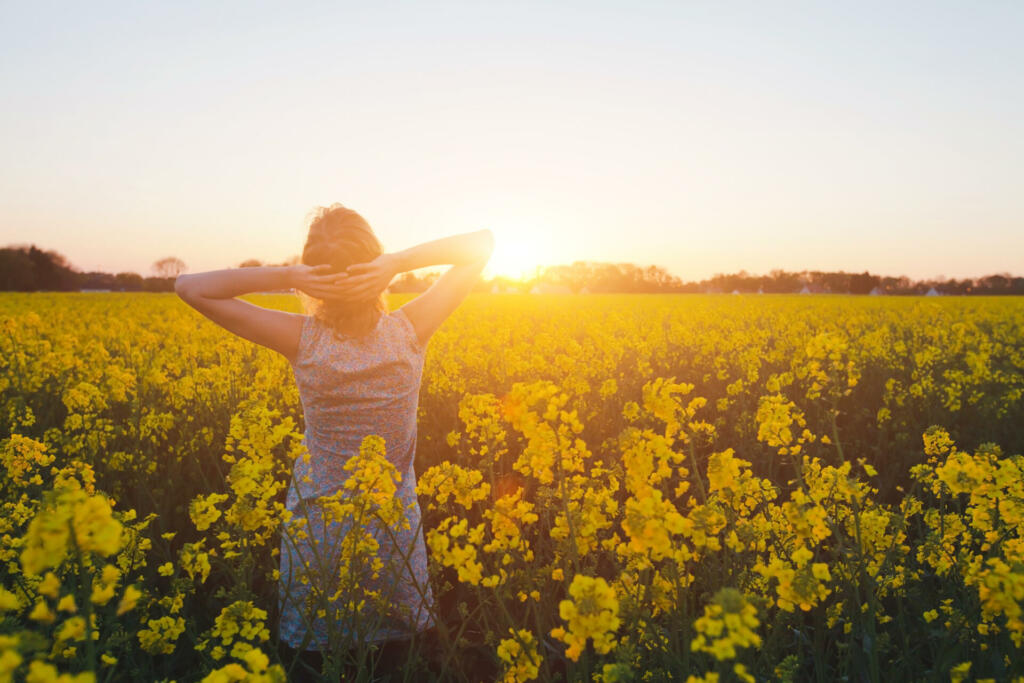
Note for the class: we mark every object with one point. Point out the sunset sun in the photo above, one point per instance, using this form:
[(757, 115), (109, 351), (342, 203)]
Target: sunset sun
[(518, 253)]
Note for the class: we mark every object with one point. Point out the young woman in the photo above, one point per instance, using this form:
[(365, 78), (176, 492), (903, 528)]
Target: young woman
[(358, 369)]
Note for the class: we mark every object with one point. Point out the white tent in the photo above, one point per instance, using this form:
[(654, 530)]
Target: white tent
[(876, 291), (805, 290), (933, 292)]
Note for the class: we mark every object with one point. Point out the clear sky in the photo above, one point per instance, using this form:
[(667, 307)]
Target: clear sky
[(700, 136)]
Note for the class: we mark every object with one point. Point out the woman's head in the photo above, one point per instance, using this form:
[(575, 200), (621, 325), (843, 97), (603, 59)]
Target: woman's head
[(340, 237)]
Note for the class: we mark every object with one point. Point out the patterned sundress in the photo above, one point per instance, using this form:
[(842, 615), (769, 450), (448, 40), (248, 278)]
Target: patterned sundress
[(351, 388)]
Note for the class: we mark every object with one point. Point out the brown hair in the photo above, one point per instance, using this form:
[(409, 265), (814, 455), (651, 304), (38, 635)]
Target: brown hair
[(341, 237)]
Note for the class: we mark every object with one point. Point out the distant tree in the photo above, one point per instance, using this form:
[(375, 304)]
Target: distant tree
[(953, 286), (170, 266), (128, 282), (607, 277), (660, 280), (995, 284), (250, 263), (53, 272), (97, 280), (575, 276), (836, 283), (158, 284), (30, 268), (17, 270), (863, 283), (781, 282)]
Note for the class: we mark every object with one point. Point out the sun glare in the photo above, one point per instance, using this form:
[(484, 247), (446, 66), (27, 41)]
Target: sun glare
[(516, 255)]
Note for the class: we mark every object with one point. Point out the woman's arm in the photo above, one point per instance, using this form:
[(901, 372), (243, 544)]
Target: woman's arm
[(227, 284), (467, 253), (471, 247), (368, 280), (212, 294)]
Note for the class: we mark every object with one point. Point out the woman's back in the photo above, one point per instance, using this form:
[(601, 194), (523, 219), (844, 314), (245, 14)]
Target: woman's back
[(351, 388)]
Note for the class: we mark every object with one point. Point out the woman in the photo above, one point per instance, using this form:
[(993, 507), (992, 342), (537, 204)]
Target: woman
[(358, 370)]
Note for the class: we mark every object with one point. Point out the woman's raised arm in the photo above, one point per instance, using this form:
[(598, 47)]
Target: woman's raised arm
[(213, 294), (467, 253)]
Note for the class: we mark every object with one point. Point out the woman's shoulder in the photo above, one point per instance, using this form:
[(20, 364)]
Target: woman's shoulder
[(399, 320), (391, 326)]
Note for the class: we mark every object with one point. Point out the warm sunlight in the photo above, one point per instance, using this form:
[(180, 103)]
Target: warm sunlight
[(518, 253)]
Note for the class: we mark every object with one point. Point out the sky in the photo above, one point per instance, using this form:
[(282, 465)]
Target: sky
[(703, 137)]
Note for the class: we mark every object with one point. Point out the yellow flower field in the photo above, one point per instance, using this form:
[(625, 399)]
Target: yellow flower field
[(614, 488)]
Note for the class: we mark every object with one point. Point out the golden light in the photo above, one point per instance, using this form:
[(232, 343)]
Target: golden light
[(518, 253)]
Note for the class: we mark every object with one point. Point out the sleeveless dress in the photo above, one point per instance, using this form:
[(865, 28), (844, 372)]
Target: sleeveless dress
[(351, 388)]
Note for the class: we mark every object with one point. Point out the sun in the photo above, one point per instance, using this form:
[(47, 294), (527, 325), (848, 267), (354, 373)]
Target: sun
[(517, 255)]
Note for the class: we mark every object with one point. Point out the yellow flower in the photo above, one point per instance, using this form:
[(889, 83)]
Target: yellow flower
[(243, 620), (258, 670), (728, 623), (129, 600), (42, 672), (70, 509), (8, 600), (95, 528), (67, 604), (204, 511), (520, 657), (42, 613), (72, 629), (444, 481), (592, 613), (161, 634), (959, 672), (49, 586)]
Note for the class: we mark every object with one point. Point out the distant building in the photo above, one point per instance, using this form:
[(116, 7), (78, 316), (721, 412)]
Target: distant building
[(933, 292), (876, 291), (735, 291)]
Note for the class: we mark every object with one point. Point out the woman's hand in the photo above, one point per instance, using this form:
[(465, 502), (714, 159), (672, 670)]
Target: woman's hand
[(318, 281), (366, 281)]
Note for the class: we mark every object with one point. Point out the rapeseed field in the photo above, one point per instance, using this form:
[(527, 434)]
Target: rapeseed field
[(614, 488)]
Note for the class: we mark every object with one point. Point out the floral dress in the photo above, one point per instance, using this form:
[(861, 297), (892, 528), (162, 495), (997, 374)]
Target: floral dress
[(352, 388)]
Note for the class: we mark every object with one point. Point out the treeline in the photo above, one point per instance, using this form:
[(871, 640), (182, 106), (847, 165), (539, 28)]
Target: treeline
[(29, 269), (626, 277), (587, 277), (821, 282)]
